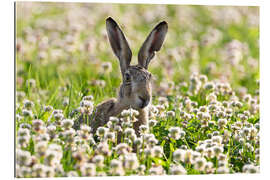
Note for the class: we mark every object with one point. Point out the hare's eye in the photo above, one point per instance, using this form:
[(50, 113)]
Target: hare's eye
[(127, 76)]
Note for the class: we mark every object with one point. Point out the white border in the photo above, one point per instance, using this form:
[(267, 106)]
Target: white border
[(7, 88), (188, 2)]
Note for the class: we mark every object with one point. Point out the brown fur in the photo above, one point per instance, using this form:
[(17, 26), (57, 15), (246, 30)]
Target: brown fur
[(135, 91)]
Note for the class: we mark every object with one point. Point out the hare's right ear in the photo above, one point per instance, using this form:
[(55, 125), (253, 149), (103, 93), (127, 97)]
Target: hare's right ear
[(152, 44), (119, 44)]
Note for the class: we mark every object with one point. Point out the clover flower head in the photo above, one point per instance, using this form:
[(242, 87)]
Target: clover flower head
[(23, 158), (67, 123), (98, 160), (131, 161), (88, 169), (200, 163), (101, 131), (27, 113), (88, 98), (177, 170), (176, 133)]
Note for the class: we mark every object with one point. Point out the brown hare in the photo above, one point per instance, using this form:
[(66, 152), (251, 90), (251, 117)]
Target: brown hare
[(135, 91)]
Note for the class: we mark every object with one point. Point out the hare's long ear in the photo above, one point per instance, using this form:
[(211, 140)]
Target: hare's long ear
[(119, 44), (152, 44)]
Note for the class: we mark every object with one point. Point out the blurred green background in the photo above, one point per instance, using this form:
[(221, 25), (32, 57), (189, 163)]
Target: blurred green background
[(63, 47)]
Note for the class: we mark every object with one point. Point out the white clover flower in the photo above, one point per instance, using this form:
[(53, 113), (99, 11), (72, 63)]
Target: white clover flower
[(200, 163), (103, 148), (162, 100), (116, 168), (110, 136), (67, 123), (131, 161), (129, 113), (153, 109), (223, 170), (40, 148), (58, 116), (217, 150), (176, 133), (157, 151), (37, 123), (98, 160), (24, 172), (51, 158), (27, 113), (125, 113), (143, 129), (118, 128), (23, 158), (209, 153), (39, 170), (209, 167), (57, 111), (222, 157), (203, 78), (65, 101), (72, 174), (134, 112), (122, 148), (23, 141), (222, 123), (195, 155), (170, 113), (88, 98), (217, 139), (23, 132), (115, 164), (148, 151), (20, 95), (101, 131), (48, 108), (200, 149), (152, 141), (188, 157), (51, 130), (156, 170), (160, 107), (27, 104), (18, 117), (114, 120), (177, 170), (246, 131), (141, 169), (56, 148), (88, 169), (85, 128), (209, 86), (69, 135), (178, 155), (138, 142), (129, 131), (86, 107), (106, 66), (152, 123)]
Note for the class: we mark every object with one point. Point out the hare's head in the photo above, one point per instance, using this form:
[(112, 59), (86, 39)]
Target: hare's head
[(135, 90)]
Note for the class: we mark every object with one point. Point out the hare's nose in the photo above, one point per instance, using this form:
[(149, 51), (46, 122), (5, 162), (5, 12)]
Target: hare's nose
[(145, 101)]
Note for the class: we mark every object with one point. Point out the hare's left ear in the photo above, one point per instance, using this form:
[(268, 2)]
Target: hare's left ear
[(119, 44), (152, 44)]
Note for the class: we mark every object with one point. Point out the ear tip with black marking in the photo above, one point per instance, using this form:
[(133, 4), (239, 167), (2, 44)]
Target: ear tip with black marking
[(110, 20), (162, 25)]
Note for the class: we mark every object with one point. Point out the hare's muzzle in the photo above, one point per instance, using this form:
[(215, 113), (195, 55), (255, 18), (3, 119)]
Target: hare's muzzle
[(144, 101)]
